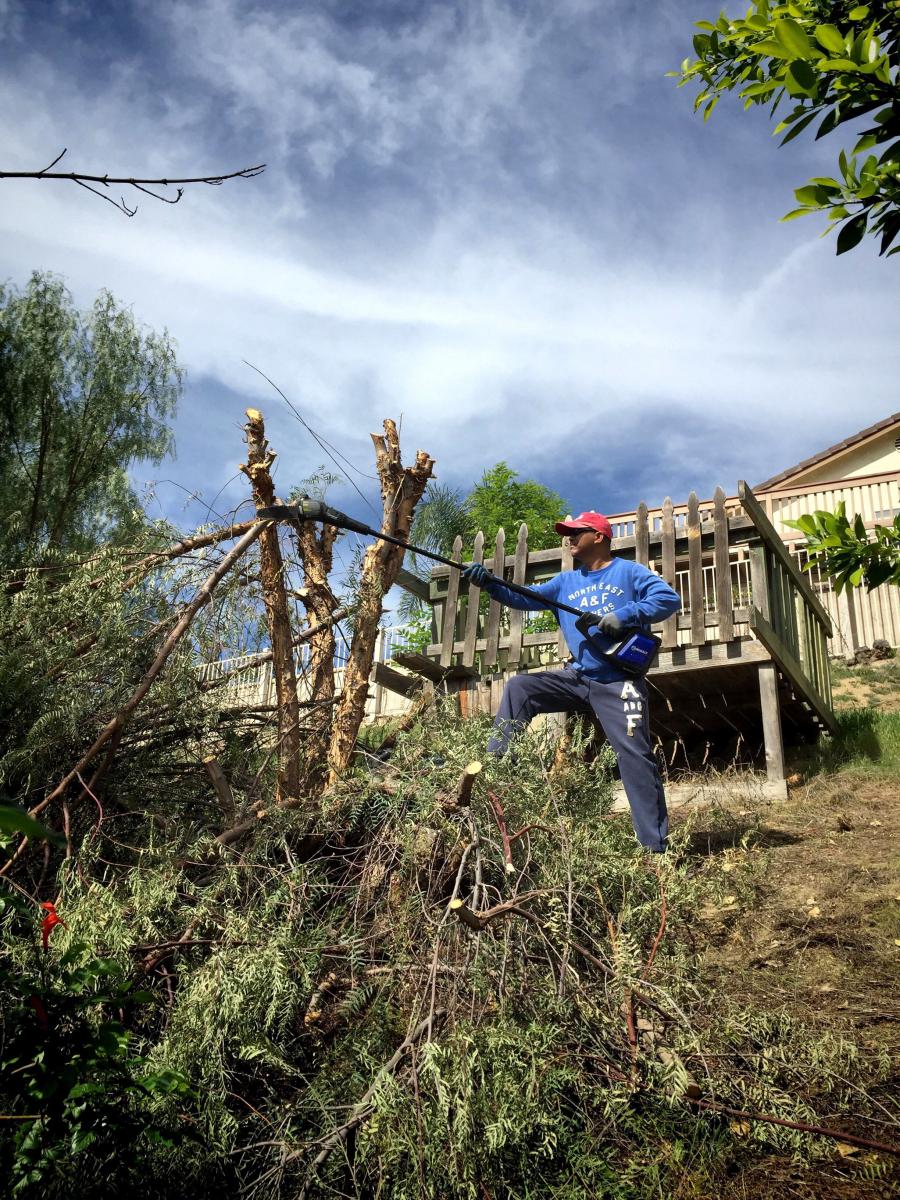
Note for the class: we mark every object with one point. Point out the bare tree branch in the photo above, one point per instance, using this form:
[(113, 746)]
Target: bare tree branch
[(142, 185)]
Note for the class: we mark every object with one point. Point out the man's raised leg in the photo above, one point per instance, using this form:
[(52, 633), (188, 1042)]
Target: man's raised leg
[(527, 695)]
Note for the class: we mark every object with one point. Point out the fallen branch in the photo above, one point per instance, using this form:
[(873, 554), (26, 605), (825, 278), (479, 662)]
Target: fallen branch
[(528, 828), (153, 960), (186, 546), (500, 817), (478, 920), (837, 1134), (118, 722), (407, 721), (221, 786), (662, 929), (363, 1109)]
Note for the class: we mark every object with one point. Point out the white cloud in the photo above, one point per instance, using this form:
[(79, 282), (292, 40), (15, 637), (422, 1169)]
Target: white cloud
[(502, 322)]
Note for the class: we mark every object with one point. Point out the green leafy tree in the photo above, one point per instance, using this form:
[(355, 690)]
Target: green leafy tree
[(834, 62), (845, 551), (501, 498), (82, 397)]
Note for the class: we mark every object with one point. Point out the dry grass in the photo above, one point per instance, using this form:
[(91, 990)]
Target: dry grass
[(803, 916)]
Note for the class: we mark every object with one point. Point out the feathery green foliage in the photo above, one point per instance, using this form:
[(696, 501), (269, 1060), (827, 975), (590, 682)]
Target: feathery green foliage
[(82, 397), (314, 948)]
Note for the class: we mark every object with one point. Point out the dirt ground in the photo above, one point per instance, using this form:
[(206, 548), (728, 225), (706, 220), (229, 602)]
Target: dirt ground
[(874, 686), (804, 915)]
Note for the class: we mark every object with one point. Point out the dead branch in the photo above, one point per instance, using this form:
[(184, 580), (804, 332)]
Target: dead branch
[(500, 818), (260, 457), (221, 787), (479, 920), (185, 546), (401, 489), (838, 1134), (363, 1109), (142, 185), (118, 722)]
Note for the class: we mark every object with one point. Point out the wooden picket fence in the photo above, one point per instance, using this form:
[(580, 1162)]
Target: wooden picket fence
[(745, 603), (692, 554)]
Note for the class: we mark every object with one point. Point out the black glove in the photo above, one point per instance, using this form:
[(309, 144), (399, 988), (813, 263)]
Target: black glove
[(612, 625), (476, 573)]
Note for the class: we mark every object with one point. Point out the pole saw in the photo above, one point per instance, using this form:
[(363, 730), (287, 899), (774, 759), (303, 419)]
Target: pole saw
[(633, 653)]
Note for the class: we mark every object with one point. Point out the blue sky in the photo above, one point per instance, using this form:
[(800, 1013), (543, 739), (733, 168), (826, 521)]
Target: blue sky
[(498, 220)]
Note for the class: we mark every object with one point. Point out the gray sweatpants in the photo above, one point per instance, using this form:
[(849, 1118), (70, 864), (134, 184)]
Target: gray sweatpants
[(621, 708)]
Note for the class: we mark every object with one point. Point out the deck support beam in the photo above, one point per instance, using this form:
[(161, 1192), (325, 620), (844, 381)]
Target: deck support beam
[(771, 722)]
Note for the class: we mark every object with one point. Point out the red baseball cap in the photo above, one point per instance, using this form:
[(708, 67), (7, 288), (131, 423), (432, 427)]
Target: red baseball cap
[(586, 520)]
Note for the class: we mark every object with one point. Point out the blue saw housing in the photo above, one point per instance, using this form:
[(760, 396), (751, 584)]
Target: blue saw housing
[(635, 653)]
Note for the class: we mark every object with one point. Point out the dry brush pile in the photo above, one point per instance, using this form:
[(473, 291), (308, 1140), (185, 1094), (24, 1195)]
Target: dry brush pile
[(293, 966)]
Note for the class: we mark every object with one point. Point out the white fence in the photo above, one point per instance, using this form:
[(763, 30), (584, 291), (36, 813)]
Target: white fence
[(248, 681)]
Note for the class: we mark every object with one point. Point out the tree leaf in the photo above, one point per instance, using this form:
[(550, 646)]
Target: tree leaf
[(889, 229), (830, 37), (812, 195), (13, 820), (798, 127), (852, 232), (803, 75), (831, 120), (769, 48), (792, 36)]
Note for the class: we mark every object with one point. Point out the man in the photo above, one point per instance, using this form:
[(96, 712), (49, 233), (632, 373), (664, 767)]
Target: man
[(615, 595)]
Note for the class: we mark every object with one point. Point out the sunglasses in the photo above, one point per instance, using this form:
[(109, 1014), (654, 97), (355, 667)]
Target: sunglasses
[(573, 537)]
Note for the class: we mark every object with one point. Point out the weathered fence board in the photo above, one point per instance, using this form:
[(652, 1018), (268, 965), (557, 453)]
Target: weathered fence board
[(670, 627), (516, 615), (493, 621), (450, 608), (724, 595), (473, 605), (695, 571)]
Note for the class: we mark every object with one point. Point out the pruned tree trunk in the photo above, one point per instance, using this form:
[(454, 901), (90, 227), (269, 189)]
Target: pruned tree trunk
[(257, 469), (315, 546), (401, 490)]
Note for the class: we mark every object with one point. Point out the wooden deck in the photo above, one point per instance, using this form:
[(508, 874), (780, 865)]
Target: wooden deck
[(742, 668)]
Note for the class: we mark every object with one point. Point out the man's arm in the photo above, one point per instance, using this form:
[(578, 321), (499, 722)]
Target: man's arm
[(499, 591), (655, 601)]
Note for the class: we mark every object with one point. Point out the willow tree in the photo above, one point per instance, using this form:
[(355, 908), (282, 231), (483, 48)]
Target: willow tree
[(83, 396)]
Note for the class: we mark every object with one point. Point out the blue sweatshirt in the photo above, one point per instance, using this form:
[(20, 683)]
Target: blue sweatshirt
[(634, 593)]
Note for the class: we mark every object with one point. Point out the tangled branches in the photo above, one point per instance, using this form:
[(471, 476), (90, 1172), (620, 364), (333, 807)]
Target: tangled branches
[(344, 1025)]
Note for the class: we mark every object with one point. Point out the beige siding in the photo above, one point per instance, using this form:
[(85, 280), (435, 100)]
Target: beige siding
[(859, 617)]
